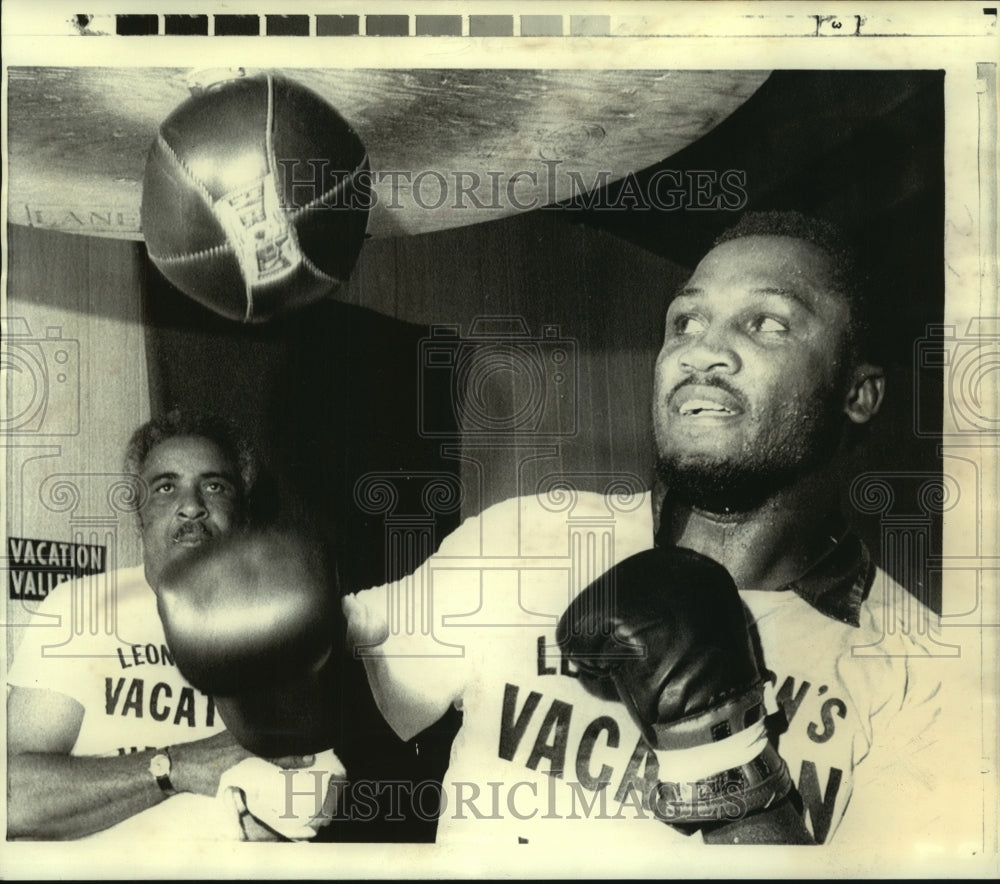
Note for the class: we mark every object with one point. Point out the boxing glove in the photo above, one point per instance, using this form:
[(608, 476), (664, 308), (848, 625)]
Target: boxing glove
[(664, 632), (251, 620)]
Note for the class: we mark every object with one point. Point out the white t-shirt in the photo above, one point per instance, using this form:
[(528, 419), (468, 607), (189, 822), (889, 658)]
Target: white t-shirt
[(539, 760)]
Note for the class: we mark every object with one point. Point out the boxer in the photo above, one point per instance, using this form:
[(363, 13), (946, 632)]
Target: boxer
[(672, 704)]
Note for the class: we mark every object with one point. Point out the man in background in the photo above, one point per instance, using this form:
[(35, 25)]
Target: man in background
[(103, 731)]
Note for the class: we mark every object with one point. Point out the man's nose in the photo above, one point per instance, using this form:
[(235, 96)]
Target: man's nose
[(191, 504), (711, 351)]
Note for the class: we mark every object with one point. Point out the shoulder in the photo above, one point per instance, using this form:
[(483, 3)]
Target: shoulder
[(130, 583), (542, 522), (558, 526), (93, 591), (93, 599), (899, 646), (900, 623)]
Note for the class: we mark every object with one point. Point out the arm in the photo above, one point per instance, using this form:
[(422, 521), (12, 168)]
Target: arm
[(55, 795), (412, 690)]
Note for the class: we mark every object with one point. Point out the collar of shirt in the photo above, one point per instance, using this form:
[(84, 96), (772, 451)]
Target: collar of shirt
[(838, 583)]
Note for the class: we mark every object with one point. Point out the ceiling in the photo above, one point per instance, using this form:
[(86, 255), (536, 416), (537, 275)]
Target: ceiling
[(863, 149)]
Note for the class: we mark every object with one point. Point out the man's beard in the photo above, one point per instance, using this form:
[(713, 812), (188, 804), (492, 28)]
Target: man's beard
[(743, 482), (720, 486)]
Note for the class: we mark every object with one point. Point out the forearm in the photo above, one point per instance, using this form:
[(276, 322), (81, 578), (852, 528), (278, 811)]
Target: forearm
[(59, 796), (54, 795)]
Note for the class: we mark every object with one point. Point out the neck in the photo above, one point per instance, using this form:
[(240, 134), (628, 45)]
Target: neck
[(768, 547)]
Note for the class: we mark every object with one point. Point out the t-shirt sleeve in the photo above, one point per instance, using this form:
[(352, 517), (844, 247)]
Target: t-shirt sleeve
[(44, 659)]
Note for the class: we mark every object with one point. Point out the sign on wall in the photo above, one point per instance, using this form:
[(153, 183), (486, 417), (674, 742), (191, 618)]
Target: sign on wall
[(36, 567)]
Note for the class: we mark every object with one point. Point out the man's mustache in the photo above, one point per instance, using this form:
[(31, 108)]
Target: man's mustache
[(189, 530)]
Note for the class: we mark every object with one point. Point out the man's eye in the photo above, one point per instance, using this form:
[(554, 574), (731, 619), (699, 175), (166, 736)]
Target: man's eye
[(688, 325), (164, 488), (769, 324)]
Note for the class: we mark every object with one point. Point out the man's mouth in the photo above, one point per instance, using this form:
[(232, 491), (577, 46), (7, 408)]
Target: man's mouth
[(703, 407), (701, 400), (191, 534)]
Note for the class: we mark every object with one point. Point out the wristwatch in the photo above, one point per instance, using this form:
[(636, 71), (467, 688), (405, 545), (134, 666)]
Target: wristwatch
[(159, 767)]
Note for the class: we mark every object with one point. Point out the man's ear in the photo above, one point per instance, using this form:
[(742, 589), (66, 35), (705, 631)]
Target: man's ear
[(864, 398)]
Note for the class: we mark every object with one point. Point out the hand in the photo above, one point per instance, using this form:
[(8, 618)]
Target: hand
[(364, 628), (268, 804), (197, 766)]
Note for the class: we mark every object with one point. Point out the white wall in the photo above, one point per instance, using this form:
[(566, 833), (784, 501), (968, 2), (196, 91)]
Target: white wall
[(74, 371)]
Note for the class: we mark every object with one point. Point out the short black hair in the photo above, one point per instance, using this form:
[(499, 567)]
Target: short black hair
[(219, 430), (847, 274)]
